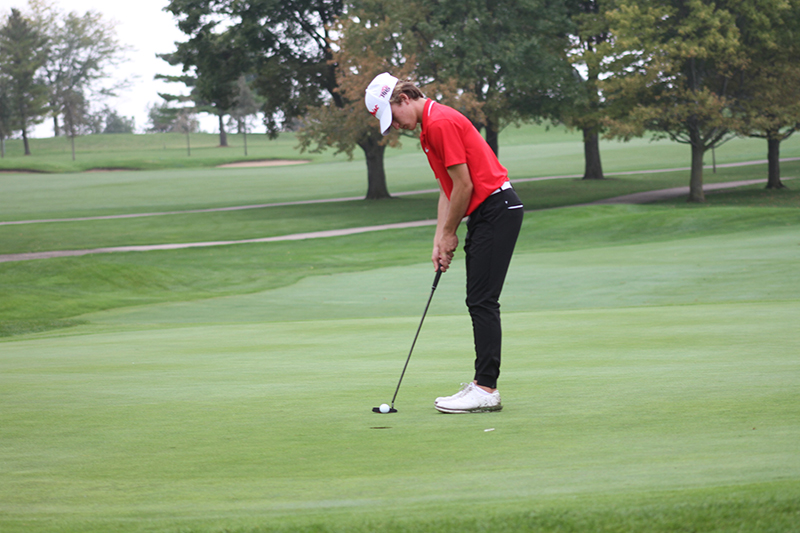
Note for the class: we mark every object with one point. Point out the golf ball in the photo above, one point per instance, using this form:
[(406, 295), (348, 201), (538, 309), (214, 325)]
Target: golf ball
[(384, 408)]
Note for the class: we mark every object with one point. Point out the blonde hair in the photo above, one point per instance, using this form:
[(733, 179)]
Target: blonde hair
[(407, 88)]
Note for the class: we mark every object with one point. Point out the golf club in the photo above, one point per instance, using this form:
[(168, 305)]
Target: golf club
[(433, 289)]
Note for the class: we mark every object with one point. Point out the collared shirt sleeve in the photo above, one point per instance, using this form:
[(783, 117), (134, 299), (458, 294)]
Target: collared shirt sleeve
[(445, 139)]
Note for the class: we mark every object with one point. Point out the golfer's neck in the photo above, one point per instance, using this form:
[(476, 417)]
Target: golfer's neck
[(419, 108)]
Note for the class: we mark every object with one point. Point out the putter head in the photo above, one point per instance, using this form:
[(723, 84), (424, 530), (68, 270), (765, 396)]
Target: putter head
[(378, 410)]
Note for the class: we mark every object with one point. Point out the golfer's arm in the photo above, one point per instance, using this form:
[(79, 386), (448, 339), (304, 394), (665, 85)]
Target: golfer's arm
[(441, 214), (459, 198)]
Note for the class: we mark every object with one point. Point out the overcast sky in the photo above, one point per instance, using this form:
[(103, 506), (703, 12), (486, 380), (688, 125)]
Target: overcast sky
[(148, 30)]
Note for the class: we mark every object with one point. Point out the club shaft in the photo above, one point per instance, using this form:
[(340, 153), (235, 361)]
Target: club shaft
[(425, 312)]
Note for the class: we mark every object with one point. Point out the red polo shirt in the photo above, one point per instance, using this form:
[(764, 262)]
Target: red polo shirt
[(449, 138)]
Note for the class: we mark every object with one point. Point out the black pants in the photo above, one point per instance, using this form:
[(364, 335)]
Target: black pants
[(492, 231)]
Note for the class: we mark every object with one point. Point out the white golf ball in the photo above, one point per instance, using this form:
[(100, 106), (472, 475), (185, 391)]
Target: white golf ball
[(384, 408)]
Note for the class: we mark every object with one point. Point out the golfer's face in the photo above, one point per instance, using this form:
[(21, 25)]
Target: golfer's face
[(403, 117)]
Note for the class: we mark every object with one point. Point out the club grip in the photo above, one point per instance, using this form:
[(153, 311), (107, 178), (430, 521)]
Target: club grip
[(436, 279)]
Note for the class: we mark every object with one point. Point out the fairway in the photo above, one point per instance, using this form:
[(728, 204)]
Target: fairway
[(650, 377)]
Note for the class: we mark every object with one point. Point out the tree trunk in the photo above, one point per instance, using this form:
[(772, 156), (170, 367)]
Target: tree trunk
[(244, 132), (3, 147), (223, 137), (591, 153), (72, 140), (56, 126), (492, 137), (25, 141), (376, 175), (188, 145), (696, 193), (774, 164)]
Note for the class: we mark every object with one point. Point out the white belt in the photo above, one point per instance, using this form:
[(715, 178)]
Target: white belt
[(506, 185)]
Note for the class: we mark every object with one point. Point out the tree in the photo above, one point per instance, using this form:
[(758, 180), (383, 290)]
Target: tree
[(5, 112), (772, 111), (290, 53), (160, 118), (214, 60), (80, 50), (245, 105), (212, 64), (23, 52), (365, 45), (673, 64), (584, 108), (115, 123), (371, 39), (76, 115), (769, 104), (509, 54), (164, 118)]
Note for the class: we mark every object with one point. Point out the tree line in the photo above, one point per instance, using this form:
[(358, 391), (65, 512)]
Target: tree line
[(51, 65), (693, 71)]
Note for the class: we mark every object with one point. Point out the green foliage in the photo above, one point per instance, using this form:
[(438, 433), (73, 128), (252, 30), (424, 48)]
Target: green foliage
[(768, 102), (6, 116), (509, 55), (81, 48), (115, 123), (368, 42), (215, 63), (701, 72), (23, 51), (284, 43), (246, 102), (164, 118), (674, 65), (584, 107)]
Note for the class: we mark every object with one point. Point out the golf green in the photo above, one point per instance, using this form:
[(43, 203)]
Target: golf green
[(647, 386)]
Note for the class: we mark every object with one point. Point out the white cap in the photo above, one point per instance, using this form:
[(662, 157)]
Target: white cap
[(377, 99)]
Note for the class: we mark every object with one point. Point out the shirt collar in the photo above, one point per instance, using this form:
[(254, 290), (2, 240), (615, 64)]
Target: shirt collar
[(427, 110)]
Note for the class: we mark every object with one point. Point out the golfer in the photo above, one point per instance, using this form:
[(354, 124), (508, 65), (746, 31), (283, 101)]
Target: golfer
[(472, 183)]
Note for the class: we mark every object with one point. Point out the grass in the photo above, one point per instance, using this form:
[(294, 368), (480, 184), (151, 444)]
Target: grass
[(41, 293), (560, 152), (650, 377), (631, 370), (753, 196), (142, 152)]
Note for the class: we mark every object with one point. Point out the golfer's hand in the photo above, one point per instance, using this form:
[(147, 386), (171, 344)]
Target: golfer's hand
[(444, 250)]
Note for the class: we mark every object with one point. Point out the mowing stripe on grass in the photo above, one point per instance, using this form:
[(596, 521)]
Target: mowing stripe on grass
[(153, 247), (644, 197), (683, 190), (675, 192)]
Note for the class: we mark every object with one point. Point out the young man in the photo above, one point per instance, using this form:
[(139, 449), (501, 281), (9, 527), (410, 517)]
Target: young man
[(473, 183)]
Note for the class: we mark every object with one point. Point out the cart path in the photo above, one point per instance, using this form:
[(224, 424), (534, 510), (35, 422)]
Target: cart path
[(354, 198), (636, 198)]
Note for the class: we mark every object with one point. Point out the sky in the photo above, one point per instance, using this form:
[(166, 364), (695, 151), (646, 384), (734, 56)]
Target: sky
[(147, 30)]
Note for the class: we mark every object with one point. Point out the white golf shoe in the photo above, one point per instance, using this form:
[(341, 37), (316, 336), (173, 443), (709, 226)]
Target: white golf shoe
[(465, 388), (470, 399)]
